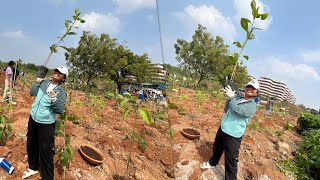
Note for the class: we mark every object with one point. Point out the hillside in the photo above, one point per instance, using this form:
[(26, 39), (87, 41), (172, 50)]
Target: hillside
[(95, 123)]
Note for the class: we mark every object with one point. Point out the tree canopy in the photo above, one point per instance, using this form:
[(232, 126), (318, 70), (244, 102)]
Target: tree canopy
[(205, 57), (104, 57)]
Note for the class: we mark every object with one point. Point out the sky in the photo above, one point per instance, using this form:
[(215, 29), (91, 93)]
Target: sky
[(287, 48)]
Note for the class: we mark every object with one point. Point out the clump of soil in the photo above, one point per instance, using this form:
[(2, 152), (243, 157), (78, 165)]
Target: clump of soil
[(91, 153)]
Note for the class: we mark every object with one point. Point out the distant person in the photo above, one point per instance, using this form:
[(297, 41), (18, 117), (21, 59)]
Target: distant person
[(15, 74), (237, 114), (50, 99), (122, 91), (269, 107), (257, 99), (141, 94), (7, 93)]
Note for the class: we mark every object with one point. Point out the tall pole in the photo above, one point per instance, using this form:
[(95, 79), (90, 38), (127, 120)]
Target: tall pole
[(160, 32)]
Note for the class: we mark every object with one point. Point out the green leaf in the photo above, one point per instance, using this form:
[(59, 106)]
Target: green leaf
[(171, 133), (66, 48), (264, 16), (110, 94), (234, 57), (9, 128), (2, 120), (238, 44), (53, 48), (64, 157), (251, 37), (244, 23), (124, 102), (70, 152), (145, 115), (247, 57), (82, 21), (127, 95), (67, 23), (59, 133), (253, 5), (125, 113), (77, 12), (72, 33), (67, 139)]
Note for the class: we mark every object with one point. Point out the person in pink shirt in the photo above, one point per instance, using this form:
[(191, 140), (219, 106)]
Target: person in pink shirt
[(7, 96)]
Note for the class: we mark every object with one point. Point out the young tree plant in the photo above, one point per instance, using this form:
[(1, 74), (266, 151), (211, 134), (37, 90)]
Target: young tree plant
[(248, 26), (130, 103), (69, 24)]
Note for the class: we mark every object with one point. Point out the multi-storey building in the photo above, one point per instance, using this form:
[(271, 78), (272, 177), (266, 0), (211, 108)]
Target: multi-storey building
[(160, 73), (277, 89)]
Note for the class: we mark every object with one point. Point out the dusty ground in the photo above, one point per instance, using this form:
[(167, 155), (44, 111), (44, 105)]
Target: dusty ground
[(106, 131)]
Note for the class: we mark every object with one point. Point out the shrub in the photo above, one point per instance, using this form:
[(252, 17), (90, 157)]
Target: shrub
[(308, 156), (307, 161), (308, 121)]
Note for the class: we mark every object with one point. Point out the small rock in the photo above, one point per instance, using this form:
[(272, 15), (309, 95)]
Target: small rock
[(9, 143), (284, 153), (264, 177), (179, 173), (9, 155), (185, 162), (6, 152), (281, 146), (150, 156), (117, 127), (25, 159), (78, 175)]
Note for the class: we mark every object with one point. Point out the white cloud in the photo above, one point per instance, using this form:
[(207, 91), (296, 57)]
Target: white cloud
[(294, 71), (301, 79), (280, 67), (310, 55), (243, 9), (14, 34), (128, 6), (99, 23), (211, 18)]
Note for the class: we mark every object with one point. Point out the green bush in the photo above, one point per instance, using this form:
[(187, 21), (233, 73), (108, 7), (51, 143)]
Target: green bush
[(308, 156), (308, 121), (306, 164)]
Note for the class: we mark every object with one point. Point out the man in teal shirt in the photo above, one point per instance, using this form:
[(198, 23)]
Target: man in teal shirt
[(238, 112)]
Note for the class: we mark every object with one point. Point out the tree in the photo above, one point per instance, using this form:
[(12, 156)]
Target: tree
[(91, 57), (206, 57), (104, 57)]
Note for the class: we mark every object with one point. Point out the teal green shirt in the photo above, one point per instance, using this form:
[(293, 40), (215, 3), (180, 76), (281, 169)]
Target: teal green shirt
[(237, 115), (43, 110)]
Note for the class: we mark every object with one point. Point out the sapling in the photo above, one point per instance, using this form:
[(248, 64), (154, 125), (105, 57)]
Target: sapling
[(248, 26), (69, 24), (130, 103), (5, 129)]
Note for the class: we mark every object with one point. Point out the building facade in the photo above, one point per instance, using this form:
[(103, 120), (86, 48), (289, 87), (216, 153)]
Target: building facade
[(277, 89), (160, 73)]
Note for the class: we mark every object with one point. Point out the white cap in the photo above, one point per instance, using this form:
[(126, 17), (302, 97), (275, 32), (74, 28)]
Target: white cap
[(254, 83), (62, 70)]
